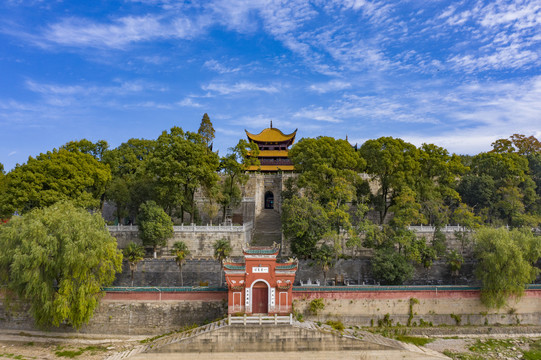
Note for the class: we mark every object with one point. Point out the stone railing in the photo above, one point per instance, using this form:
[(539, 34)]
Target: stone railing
[(260, 319), (445, 229), (191, 228)]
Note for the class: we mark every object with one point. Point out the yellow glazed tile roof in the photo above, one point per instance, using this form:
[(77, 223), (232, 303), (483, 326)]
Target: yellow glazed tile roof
[(271, 168), (271, 135)]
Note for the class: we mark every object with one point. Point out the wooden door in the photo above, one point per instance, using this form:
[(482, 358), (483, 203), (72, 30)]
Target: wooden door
[(260, 298)]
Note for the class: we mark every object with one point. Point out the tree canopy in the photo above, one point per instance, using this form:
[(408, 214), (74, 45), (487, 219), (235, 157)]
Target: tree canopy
[(394, 164), (155, 226), (181, 164), (54, 176), (58, 259), (505, 263)]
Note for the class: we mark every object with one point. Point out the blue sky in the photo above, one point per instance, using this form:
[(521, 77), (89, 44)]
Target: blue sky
[(459, 74)]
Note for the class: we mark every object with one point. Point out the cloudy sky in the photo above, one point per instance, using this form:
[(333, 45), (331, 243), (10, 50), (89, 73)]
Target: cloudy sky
[(459, 74)]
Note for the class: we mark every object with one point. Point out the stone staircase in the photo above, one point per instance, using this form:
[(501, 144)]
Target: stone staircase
[(268, 228), (221, 338), (169, 339)]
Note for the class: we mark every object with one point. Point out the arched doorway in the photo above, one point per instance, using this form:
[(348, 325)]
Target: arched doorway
[(269, 200), (260, 298)]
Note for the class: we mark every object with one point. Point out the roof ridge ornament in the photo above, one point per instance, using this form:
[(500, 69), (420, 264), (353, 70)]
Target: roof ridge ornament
[(271, 124)]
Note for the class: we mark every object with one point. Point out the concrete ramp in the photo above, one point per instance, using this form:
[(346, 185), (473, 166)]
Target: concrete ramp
[(221, 341)]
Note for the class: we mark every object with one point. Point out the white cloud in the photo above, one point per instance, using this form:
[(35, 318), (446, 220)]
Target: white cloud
[(121, 32), (219, 68), (333, 85), (239, 87), (189, 102)]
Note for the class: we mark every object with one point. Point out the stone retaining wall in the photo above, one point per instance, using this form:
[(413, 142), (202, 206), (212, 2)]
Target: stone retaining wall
[(439, 307)]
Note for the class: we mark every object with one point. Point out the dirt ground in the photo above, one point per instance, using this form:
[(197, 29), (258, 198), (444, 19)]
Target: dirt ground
[(38, 345), (41, 345)]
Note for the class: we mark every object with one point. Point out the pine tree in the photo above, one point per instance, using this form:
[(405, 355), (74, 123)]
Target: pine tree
[(206, 130)]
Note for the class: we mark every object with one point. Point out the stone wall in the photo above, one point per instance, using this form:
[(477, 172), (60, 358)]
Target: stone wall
[(443, 307), (133, 317), (199, 242), (165, 272)]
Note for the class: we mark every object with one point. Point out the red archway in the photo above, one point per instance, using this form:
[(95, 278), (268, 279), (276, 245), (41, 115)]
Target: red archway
[(260, 285), (260, 296)]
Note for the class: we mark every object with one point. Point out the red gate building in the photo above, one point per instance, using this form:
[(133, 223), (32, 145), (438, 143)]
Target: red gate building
[(260, 285)]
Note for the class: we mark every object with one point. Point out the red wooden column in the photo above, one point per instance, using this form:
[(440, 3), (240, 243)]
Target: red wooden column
[(260, 285)]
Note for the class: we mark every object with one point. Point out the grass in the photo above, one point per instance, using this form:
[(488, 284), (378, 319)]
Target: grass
[(490, 345), (15, 357), (419, 341), (535, 351), (74, 353)]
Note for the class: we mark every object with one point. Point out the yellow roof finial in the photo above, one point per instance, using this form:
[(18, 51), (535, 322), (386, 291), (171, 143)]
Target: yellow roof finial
[(271, 124)]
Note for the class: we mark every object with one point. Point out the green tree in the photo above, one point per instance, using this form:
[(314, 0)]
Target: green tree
[(222, 249), (436, 185), (517, 143), (97, 149), (52, 177), (155, 226), (328, 169), (390, 267), (514, 189), (454, 261), (58, 259), (304, 223), (233, 166), (325, 257), (393, 164), (130, 185), (206, 130), (133, 253), (505, 263), (180, 251), (182, 164)]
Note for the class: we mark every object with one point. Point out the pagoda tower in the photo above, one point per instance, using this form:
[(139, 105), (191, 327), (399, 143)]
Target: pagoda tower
[(273, 149)]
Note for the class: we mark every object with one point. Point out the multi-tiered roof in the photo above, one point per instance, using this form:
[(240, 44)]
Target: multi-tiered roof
[(273, 149)]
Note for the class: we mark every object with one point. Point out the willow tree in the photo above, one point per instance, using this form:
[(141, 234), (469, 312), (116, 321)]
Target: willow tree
[(58, 259), (505, 263)]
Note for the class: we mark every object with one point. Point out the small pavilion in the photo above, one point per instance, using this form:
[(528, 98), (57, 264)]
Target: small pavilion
[(260, 285), (273, 149)]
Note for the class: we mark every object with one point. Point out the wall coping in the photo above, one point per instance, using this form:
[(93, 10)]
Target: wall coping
[(164, 289), (312, 288), (368, 288)]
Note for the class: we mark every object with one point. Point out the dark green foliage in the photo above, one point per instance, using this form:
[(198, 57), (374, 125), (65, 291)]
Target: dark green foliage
[(181, 164), (97, 150), (234, 166), (303, 223), (133, 253), (419, 341), (58, 259), (51, 177), (180, 251), (335, 324), (391, 268), (505, 263), (439, 243), (394, 164), (130, 186), (155, 226), (325, 257), (222, 250), (316, 306), (206, 130)]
